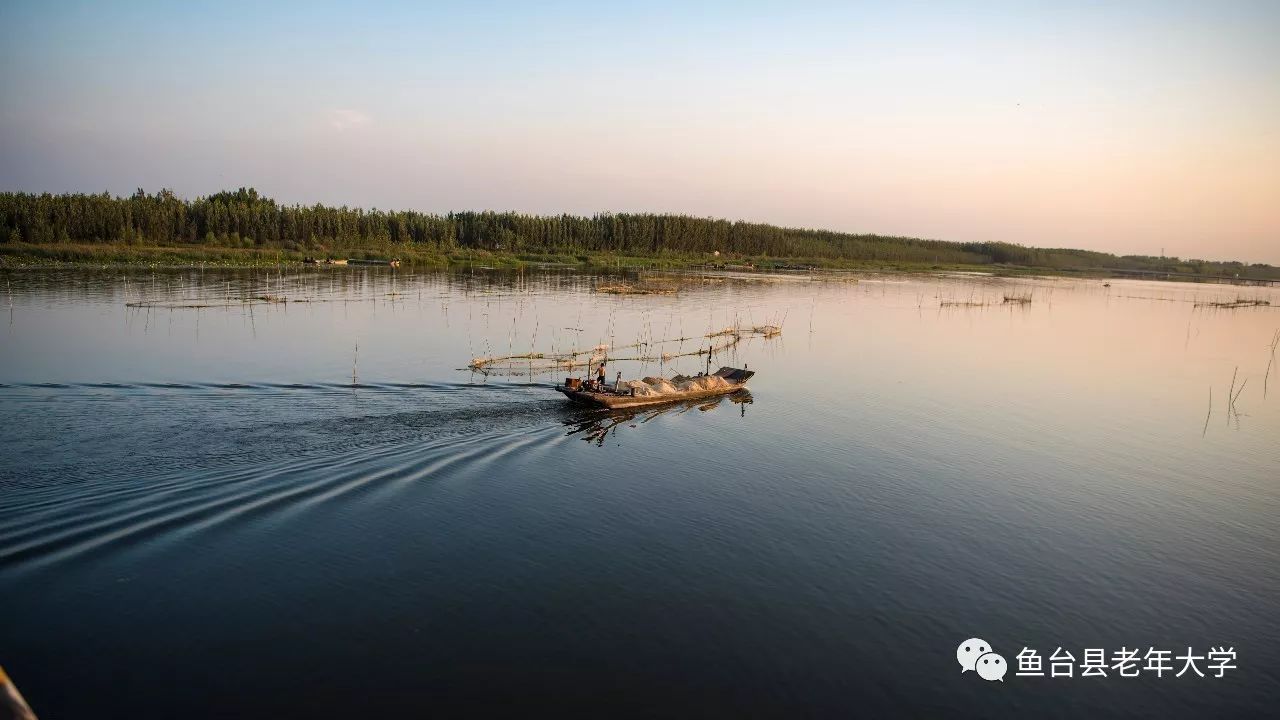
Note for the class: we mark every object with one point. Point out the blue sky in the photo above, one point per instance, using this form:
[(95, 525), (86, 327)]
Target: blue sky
[(1129, 127)]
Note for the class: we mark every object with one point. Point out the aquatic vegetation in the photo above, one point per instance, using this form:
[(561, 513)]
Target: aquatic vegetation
[(834, 277), (1233, 394), (1271, 359), (1239, 302), (640, 288)]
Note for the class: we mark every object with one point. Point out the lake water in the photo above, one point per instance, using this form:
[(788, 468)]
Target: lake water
[(261, 509)]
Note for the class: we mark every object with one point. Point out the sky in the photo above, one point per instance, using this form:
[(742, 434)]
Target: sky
[(1130, 127)]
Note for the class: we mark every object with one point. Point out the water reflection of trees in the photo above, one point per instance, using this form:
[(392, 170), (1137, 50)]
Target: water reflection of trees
[(596, 425)]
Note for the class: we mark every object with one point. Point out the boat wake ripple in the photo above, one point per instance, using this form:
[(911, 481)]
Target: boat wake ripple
[(266, 387), (118, 515)]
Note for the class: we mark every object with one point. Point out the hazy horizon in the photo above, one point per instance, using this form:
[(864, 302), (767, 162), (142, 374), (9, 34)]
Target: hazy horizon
[(1148, 128)]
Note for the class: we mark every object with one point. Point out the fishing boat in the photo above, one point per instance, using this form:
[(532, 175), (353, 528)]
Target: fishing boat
[(654, 391)]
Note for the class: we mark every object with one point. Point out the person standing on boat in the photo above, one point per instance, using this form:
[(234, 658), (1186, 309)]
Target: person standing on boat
[(600, 375)]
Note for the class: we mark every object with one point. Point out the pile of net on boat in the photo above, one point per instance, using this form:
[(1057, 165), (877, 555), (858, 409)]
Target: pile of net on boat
[(651, 386)]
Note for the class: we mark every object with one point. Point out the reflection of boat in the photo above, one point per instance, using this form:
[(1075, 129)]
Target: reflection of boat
[(596, 425), (724, 381)]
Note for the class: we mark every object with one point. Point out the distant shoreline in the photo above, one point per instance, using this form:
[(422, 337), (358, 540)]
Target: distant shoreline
[(243, 228), (30, 256)]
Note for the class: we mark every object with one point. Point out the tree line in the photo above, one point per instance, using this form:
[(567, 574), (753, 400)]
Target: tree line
[(243, 218)]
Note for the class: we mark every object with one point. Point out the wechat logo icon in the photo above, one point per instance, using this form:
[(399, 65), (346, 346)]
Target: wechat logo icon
[(977, 654)]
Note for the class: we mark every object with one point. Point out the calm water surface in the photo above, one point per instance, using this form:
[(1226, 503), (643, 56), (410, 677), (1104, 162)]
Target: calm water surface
[(252, 509)]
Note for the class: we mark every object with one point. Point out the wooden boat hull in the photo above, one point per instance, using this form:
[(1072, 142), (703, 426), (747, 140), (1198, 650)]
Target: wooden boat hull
[(737, 381), (612, 401)]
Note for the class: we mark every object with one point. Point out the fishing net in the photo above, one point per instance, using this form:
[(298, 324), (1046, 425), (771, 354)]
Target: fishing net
[(660, 386), (536, 362), (652, 386)]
